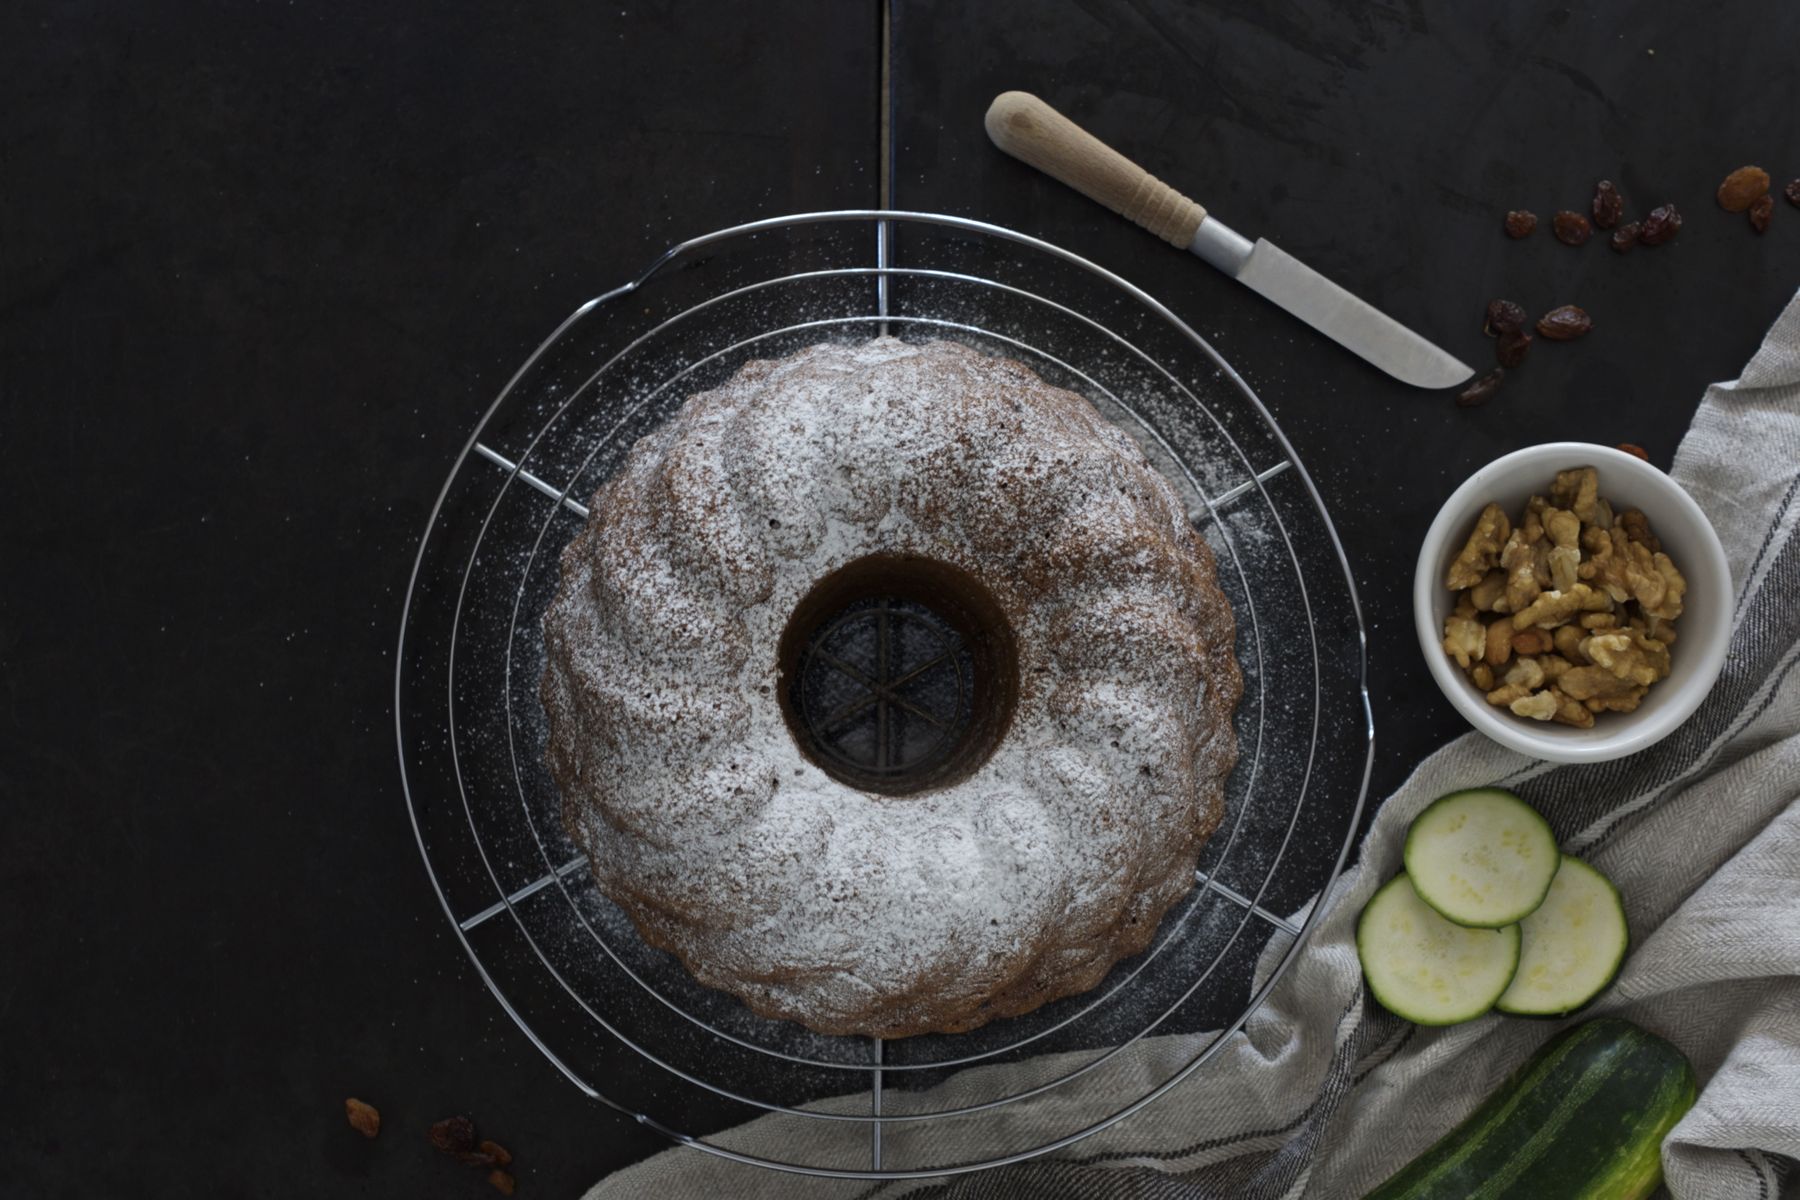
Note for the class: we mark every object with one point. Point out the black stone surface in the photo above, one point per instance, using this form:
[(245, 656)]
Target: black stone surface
[(262, 267)]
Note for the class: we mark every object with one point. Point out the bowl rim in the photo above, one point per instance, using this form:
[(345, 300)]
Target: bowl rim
[(1708, 572)]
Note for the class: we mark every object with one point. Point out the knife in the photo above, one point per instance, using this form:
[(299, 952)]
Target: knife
[(1030, 130)]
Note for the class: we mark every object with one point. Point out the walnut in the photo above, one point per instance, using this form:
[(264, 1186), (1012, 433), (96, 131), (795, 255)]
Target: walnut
[(1526, 673), (1563, 559), (1499, 643), (1637, 567), (1579, 491), (1570, 612), (1674, 589), (1609, 556), (1539, 706), (1532, 523), (1597, 549), (1625, 703), (1555, 608), (1490, 592), (1532, 641), (1520, 563), (1637, 528), (1481, 553), (1571, 712), (1464, 640), (1502, 697), (1598, 683), (1630, 655)]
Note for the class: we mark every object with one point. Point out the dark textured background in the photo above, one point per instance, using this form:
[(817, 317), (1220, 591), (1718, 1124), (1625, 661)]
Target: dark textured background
[(262, 267)]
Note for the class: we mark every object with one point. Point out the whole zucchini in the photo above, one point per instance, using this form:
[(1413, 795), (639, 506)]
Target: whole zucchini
[(1585, 1117)]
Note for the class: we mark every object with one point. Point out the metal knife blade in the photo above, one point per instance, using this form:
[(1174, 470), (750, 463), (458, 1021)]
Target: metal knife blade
[(1354, 324)]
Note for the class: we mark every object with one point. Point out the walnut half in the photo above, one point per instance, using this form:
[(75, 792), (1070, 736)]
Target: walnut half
[(1481, 553)]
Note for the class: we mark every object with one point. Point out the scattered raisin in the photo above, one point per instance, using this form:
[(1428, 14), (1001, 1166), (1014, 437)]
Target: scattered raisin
[(496, 1151), (1503, 316), (1742, 187), (1608, 205), (1663, 223), (1792, 192), (364, 1118), (1626, 236), (1482, 390), (1635, 450), (475, 1158), (1520, 222), (1510, 350), (1761, 209), (454, 1135), (1564, 324), (1572, 229), (503, 1182)]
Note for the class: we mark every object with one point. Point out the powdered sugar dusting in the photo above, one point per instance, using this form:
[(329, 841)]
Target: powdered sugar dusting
[(848, 911)]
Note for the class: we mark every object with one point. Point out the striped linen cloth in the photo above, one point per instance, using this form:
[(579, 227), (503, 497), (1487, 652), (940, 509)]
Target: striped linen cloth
[(1323, 1094)]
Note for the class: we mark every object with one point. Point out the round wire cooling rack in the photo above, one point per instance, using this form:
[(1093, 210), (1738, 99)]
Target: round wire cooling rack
[(626, 1024)]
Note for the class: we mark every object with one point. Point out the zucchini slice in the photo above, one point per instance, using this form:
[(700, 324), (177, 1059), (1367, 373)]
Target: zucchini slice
[(1425, 968), (1483, 857), (1571, 947)]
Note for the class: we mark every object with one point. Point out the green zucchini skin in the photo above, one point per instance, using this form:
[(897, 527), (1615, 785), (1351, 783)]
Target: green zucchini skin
[(1584, 1118)]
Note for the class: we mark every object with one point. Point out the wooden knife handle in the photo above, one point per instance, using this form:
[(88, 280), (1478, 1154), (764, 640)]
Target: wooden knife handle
[(1034, 133)]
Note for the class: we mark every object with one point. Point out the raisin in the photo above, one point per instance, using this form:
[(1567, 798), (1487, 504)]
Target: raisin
[(1742, 187), (1520, 222), (1503, 316), (1572, 229), (1564, 324), (364, 1118), (496, 1151), (454, 1135), (1792, 192), (1761, 209), (1482, 390), (1608, 205), (502, 1181), (1510, 350), (475, 1158), (1663, 223), (1635, 450), (1626, 236)]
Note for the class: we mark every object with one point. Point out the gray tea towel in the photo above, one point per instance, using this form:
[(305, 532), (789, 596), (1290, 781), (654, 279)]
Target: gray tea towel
[(1323, 1094)]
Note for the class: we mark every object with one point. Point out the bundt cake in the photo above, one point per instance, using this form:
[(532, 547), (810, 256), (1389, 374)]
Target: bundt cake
[(983, 581)]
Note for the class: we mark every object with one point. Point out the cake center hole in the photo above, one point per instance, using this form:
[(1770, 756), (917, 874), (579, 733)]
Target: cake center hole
[(898, 674)]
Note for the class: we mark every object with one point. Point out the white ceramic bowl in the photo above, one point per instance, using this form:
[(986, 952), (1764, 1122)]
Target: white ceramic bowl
[(1687, 537)]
